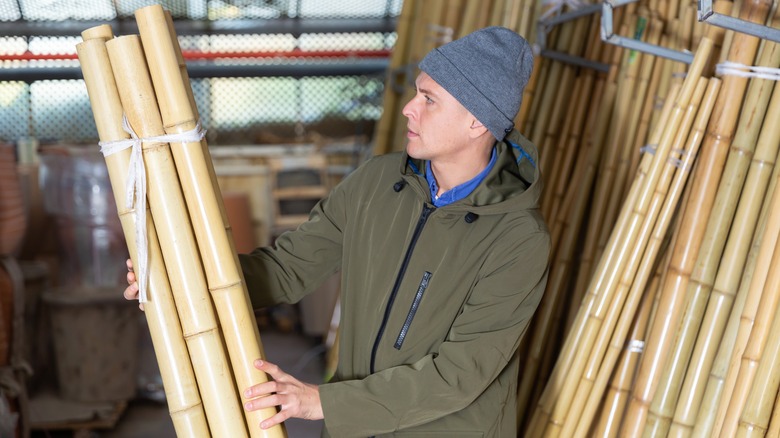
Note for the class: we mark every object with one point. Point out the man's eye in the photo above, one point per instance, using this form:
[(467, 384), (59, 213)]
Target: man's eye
[(428, 99)]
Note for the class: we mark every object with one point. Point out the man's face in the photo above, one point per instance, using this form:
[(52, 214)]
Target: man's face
[(438, 126)]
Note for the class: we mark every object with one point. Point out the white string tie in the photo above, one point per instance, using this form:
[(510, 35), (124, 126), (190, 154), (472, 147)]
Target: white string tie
[(636, 346), (136, 188), (747, 71), (648, 149)]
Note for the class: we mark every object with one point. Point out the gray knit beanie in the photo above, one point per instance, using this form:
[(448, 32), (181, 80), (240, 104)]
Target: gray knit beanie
[(486, 71)]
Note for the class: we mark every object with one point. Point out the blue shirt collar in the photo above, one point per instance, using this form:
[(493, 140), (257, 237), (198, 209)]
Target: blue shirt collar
[(458, 192)]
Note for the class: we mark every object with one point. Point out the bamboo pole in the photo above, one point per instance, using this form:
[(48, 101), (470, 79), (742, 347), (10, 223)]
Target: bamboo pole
[(697, 212), (181, 390), (203, 201), (177, 242), (647, 85), (708, 326), (635, 284), (756, 318), (754, 421), (634, 277), (734, 276), (614, 402), (774, 423)]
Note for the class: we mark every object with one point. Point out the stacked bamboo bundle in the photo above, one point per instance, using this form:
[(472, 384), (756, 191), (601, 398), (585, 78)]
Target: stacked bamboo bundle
[(188, 249), (654, 284)]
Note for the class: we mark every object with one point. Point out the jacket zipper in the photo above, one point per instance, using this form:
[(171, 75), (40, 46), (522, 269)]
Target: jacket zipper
[(413, 310), (426, 212)]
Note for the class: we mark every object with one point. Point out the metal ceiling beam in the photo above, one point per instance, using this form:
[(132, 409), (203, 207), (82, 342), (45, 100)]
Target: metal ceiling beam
[(294, 26)]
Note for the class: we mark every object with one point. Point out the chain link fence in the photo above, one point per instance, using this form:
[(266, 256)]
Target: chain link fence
[(265, 71)]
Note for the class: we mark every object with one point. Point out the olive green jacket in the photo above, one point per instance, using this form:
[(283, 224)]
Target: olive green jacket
[(434, 301)]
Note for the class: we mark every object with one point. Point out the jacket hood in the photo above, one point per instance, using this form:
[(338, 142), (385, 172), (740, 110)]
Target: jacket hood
[(513, 184)]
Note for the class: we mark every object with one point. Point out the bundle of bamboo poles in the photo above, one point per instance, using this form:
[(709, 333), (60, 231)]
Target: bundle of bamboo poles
[(192, 265)]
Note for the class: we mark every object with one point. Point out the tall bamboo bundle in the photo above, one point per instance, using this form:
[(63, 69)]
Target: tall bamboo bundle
[(562, 268), (634, 279), (555, 382), (179, 249), (756, 318), (641, 262), (708, 170), (713, 157), (203, 201), (613, 262), (734, 276), (754, 420), (181, 390), (521, 121), (384, 139), (611, 408), (707, 326)]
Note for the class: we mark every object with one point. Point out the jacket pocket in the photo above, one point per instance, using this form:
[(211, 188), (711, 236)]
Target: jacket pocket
[(415, 305)]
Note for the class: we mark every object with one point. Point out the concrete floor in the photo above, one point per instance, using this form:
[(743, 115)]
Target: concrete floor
[(298, 354)]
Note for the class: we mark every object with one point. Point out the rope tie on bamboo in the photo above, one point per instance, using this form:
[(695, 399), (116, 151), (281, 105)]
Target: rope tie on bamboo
[(747, 71), (648, 149), (635, 346), (136, 187)]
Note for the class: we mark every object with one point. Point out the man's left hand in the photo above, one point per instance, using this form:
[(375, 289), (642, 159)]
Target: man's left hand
[(294, 398)]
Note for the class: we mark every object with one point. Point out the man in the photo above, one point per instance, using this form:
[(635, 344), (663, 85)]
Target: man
[(443, 257)]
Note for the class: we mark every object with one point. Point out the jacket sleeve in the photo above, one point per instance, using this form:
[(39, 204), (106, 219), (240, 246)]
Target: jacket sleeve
[(481, 342), (300, 260)]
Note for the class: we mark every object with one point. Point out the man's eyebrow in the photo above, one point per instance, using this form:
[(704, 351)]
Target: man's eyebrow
[(426, 91)]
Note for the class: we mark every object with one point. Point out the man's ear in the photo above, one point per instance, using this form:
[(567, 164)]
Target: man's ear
[(477, 129)]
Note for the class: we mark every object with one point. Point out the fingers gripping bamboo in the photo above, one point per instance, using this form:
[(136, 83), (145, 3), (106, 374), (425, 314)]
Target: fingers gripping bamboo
[(181, 391), (178, 245), (225, 284)]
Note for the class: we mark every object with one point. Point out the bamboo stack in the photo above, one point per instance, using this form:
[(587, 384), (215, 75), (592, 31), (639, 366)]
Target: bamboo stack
[(595, 314), (182, 199)]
